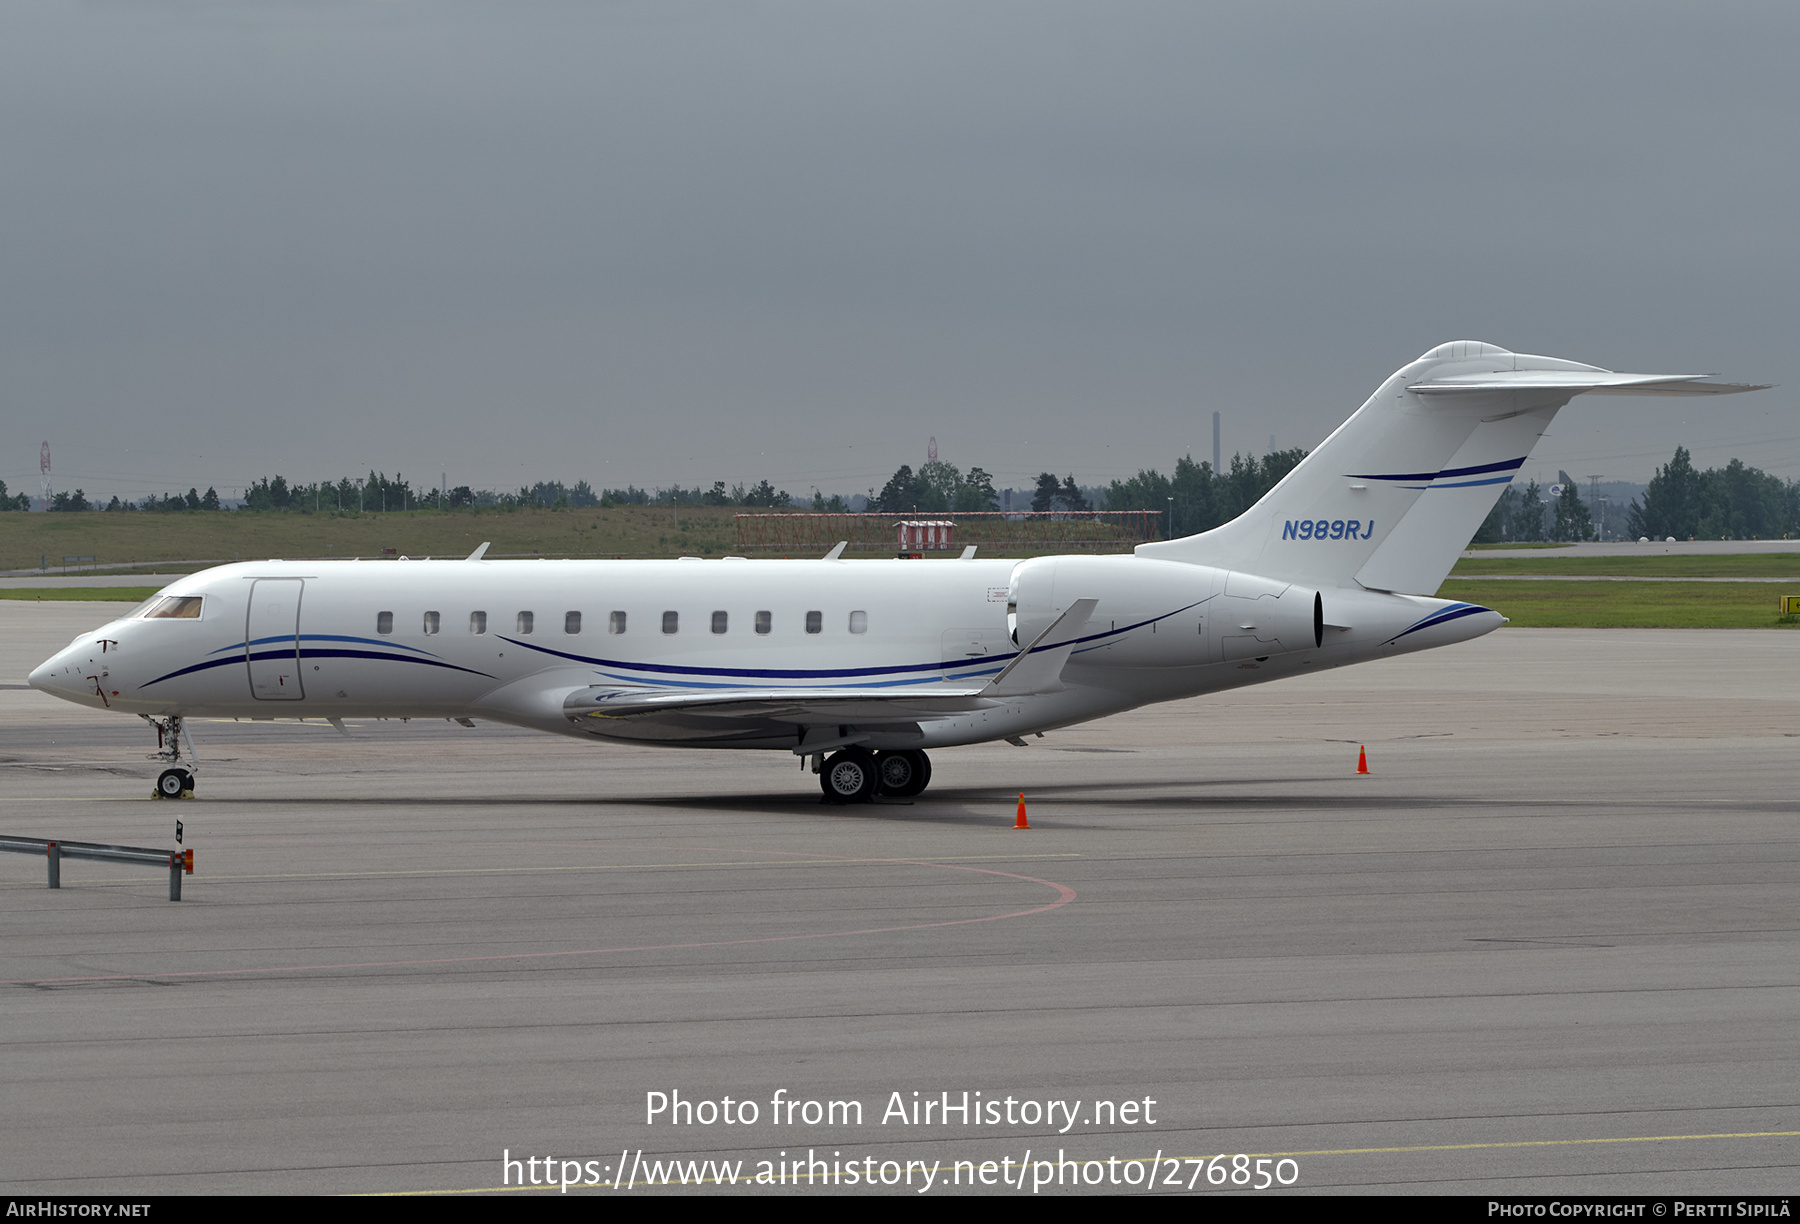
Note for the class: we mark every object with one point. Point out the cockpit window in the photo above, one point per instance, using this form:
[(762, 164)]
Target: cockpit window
[(175, 607)]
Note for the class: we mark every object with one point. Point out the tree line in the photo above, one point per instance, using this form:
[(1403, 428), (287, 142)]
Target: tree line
[(379, 494), (1735, 502), (1203, 499), (1524, 517)]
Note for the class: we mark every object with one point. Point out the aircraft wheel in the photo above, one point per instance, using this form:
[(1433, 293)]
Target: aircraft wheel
[(848, 777), (903, 774), (174, 784)]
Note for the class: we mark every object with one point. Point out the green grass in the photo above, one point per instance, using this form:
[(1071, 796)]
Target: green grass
[(1642, 605), (185, 542), (161, 569), (1651, 564), (116, 539), (80, 594)]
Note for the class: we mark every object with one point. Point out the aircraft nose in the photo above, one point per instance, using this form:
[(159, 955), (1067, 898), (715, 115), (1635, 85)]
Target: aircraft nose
[(43, 676), (58, 676)]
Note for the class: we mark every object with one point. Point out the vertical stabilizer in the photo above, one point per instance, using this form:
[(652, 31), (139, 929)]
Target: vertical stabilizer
[(1395, 493)]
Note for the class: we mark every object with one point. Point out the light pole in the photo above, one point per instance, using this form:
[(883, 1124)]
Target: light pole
[(1171, 518)]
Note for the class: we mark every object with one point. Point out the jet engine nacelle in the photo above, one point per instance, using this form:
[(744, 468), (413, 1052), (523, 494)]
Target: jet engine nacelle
[(1162, 613), (1260, 616)]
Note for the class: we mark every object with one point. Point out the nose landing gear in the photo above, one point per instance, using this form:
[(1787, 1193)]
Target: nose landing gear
[(177, 781)]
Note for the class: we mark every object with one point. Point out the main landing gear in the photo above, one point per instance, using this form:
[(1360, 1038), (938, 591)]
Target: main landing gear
[(177, 781), (857, 775)]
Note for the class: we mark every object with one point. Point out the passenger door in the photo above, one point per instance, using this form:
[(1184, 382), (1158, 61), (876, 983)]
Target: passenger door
[(272, 639)]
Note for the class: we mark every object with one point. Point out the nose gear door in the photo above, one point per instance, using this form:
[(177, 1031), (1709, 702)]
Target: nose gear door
[(272, 639)]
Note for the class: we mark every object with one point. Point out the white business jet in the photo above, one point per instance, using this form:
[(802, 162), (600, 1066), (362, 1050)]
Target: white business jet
[(863, 665)]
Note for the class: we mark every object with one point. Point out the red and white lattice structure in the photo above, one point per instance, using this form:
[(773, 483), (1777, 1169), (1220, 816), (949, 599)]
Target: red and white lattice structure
[(917, 535)]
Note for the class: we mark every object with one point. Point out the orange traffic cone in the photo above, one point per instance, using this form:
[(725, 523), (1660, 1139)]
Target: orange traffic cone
[(1021, 823), (1362, 759)]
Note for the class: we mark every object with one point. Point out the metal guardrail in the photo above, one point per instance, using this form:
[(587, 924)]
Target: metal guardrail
[(179, 862)]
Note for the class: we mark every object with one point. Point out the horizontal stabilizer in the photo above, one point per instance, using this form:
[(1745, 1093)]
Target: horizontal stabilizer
[(1582, 382)]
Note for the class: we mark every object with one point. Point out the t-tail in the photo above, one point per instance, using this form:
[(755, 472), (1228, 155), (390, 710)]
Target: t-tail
[(1390, 499)]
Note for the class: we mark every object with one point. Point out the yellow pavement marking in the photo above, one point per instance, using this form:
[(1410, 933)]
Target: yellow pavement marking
[(1523, 1143)]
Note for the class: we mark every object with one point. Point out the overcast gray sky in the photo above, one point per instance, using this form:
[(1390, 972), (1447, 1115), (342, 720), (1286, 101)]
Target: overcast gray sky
[(668, 241)]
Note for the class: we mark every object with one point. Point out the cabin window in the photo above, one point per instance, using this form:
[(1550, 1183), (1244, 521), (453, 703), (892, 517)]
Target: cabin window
[(859, 622), (571, 622), (815, 622), (176, 607), (478, 622), (763, 622), (721, 621), (616, 623), (384, 622), (671, 622), (525, 620), (431, 622)]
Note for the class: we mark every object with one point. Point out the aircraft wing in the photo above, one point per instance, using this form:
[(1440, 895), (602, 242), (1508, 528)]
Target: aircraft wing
[(1036, 669), (625, 701)]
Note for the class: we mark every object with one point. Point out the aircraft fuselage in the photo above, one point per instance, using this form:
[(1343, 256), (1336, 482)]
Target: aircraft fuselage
[(510, 640)]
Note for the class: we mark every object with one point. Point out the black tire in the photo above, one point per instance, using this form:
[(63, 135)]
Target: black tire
[(848, 777), (903, 774), (173, 783)]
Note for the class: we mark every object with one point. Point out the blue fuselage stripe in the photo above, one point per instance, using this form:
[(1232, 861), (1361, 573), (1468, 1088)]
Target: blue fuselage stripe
[(268, 655), (1441, 616), (320, 637), (752, 673), (1505, 465)]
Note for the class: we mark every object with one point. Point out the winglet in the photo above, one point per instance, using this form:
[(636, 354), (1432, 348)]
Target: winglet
[(968, 553), (479, 552), (837, 550), (1038, 668)]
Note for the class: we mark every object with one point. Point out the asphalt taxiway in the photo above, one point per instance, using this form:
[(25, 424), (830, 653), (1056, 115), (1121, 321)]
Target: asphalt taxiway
[(1550, 944)]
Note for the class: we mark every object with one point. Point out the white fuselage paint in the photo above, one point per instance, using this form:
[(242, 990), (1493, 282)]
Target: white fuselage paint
[(303, 639), (906, 654)]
